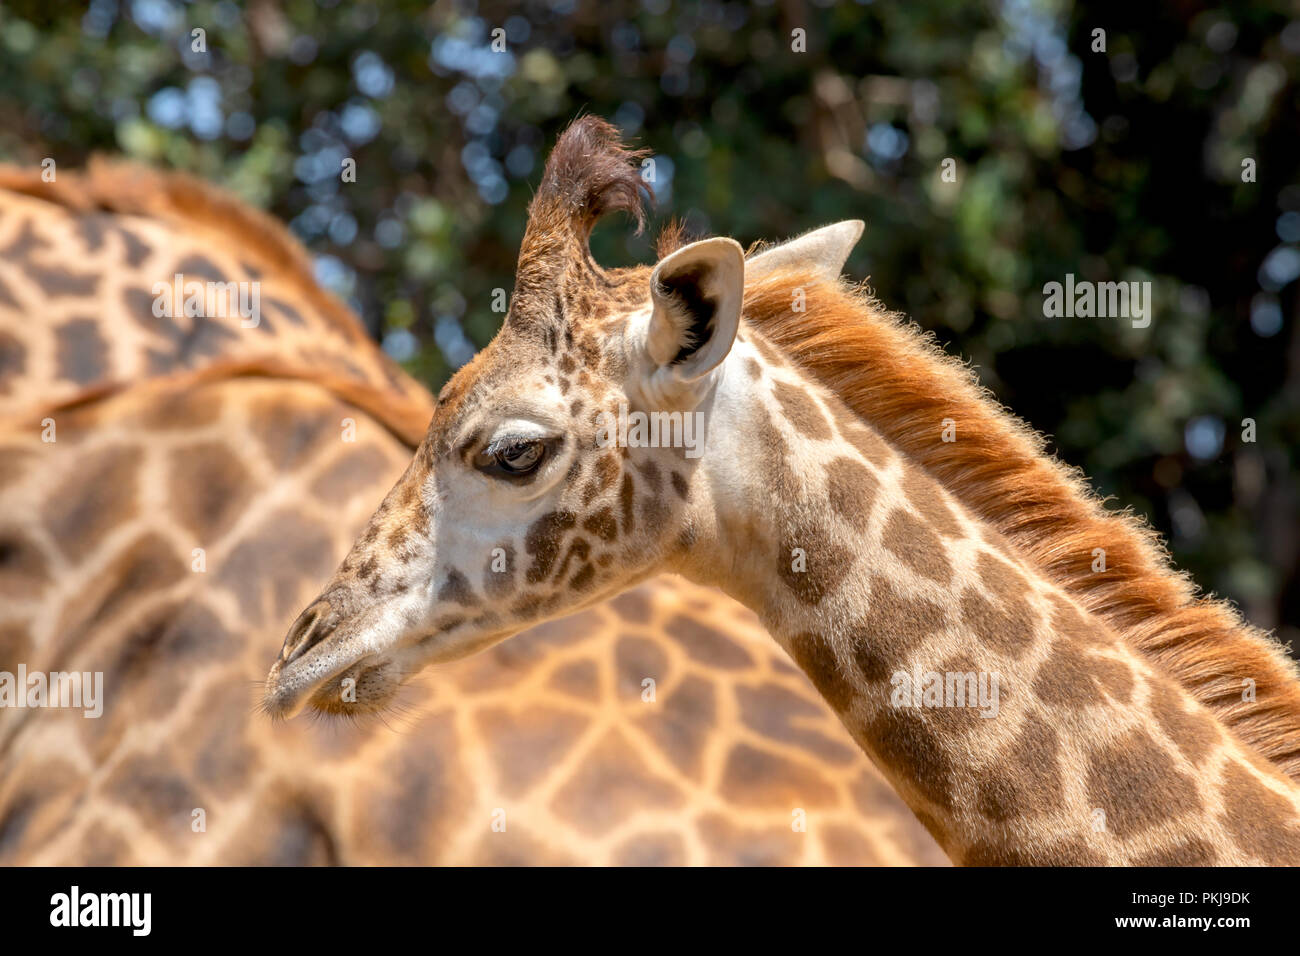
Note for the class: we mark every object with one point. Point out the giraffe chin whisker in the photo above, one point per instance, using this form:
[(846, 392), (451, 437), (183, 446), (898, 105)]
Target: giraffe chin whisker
[(313, 681)]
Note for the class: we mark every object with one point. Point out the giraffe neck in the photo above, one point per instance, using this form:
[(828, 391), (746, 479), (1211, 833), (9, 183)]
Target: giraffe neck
[(1017, 727)]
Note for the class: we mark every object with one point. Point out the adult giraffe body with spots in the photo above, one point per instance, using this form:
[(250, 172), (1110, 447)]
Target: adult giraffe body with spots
[(827, 501), (199, 485)]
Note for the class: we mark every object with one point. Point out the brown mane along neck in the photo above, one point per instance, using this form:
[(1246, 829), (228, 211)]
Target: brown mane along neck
[(898, 379)]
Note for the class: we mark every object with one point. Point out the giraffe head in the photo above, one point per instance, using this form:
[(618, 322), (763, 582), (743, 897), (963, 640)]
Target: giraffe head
[(565, 463)]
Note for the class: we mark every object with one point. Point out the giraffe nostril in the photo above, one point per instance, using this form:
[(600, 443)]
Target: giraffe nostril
[(306, 632)]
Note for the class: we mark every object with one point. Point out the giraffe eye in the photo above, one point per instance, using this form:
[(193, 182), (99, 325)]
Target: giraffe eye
[(511, 457)]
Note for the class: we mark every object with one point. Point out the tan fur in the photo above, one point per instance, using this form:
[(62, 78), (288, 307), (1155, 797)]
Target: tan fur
[(406, 415), (201, 208)]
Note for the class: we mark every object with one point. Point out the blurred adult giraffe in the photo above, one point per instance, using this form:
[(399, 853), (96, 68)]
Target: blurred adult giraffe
[(193, 443)]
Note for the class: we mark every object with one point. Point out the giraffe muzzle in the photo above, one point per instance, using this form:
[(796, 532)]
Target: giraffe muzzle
[(329, 663), (298, 674)]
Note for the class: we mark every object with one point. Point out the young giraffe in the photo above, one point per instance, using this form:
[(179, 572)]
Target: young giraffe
[(195, 432), (827, 500)]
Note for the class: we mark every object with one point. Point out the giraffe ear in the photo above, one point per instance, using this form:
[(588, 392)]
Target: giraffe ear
[(696, 293), (825, 250)]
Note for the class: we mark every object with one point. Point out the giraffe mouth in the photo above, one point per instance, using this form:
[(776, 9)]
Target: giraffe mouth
[(327, 666)]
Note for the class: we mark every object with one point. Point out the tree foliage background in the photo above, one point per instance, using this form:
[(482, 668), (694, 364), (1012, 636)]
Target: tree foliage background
[(1117, 163)]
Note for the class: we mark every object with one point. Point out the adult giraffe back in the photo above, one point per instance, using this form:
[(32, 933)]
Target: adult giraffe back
[(199, 484)]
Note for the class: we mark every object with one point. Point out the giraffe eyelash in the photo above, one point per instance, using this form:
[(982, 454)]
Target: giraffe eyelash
[(489, 459), (506, 441)]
